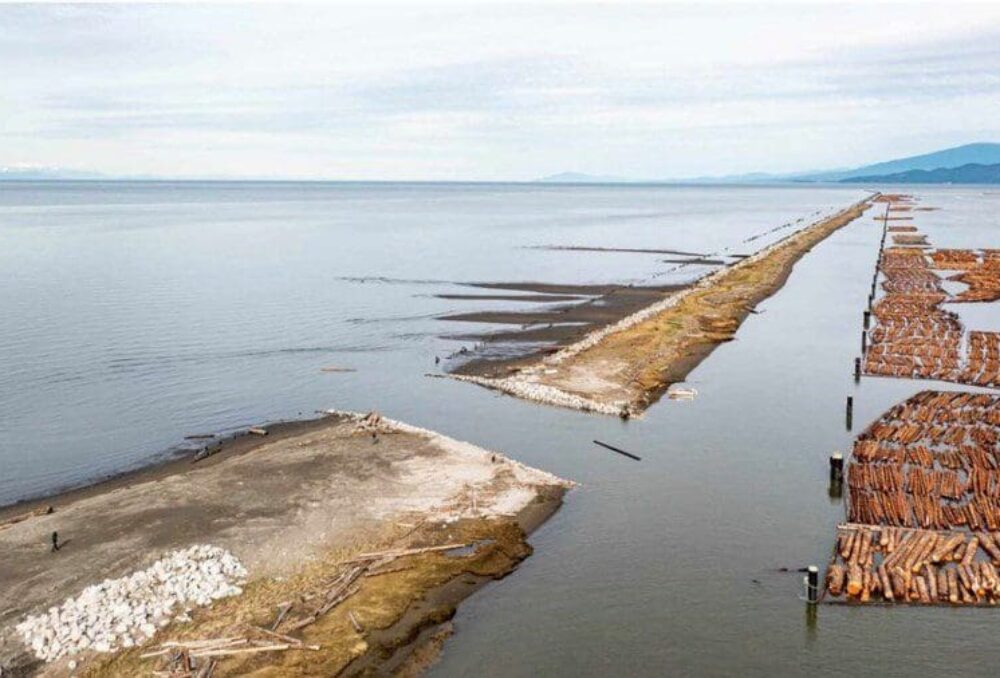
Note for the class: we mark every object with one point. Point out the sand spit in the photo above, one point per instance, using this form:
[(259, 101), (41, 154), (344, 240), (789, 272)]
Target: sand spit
[(160, 562), (625, 366)]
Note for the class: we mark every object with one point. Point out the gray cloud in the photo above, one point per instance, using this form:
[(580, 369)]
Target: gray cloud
[(374, 87)]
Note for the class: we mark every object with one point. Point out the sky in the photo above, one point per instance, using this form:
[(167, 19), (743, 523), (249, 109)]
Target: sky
[(491, 91)]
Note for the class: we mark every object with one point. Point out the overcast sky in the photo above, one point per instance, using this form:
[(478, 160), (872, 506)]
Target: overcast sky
[(491, 91)]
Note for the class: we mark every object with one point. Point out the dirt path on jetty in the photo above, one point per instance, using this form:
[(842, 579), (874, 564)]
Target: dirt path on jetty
[(623, 368), (299, 509)]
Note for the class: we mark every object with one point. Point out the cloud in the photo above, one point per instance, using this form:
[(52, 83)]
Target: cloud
[(489, 92)]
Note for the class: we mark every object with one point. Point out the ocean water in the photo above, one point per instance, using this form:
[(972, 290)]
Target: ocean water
[(137, 313)]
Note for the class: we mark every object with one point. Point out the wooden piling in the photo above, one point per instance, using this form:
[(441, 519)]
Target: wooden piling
[(812, 584), (836, 467)]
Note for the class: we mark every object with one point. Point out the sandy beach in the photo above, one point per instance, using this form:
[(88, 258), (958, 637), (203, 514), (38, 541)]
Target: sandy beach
[(296, 507)]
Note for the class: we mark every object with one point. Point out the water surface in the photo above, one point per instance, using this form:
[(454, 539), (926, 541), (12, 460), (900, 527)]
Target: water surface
[(136, 314)]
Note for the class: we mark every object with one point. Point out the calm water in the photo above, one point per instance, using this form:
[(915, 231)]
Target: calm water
[(136, 314)]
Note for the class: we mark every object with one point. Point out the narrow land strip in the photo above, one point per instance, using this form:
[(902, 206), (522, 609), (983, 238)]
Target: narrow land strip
[(622, 368)]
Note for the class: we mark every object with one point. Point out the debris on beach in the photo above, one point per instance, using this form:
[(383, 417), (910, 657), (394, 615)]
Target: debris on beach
[(198, 657), (676, 392), (125, 612), (27, 515)]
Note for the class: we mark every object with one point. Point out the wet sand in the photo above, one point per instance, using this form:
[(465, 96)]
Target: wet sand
[(696, 261), (537, 298), (622, 368), (291, 506), (552, 327)]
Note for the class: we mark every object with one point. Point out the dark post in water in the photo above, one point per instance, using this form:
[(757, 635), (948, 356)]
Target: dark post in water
[(812, 584)]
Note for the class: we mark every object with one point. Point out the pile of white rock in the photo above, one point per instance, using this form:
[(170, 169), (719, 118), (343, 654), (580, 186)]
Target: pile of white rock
[(523, 386), (122, 613)]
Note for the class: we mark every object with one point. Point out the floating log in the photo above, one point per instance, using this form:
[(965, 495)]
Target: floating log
[(618, 450), (970, 551), (855, 579), (835, 575)]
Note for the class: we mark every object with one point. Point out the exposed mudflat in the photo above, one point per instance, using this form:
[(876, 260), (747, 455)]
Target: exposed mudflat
[(550, 328)]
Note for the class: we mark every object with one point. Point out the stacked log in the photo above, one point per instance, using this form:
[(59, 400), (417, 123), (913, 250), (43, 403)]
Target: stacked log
[(891, 564), (909, 239), (914, 337), (923, 505), (980, 270)]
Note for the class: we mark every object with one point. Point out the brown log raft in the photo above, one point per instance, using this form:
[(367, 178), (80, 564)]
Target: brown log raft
[(914, 337), (923, 507)]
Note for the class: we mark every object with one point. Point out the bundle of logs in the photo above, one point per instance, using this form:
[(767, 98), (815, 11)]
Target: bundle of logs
[(897, 201), (983, 365), (954, 260), (914, 336), (893, 564), (910, 239), (930, 462), (923, 504), (980, 270)]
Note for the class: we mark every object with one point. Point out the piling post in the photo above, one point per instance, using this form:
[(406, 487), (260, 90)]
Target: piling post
[(812, 584), (836, 467), (850, 412), (857, 370), (864, 342), (868, 318)]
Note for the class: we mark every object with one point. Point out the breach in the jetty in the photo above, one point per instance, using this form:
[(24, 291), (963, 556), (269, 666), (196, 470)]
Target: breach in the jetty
[(622, 368)]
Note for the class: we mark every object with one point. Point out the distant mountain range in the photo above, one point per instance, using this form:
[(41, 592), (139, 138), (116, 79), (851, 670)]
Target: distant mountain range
[(972, 173), (971, 163), (978, 154), (965, 158)]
